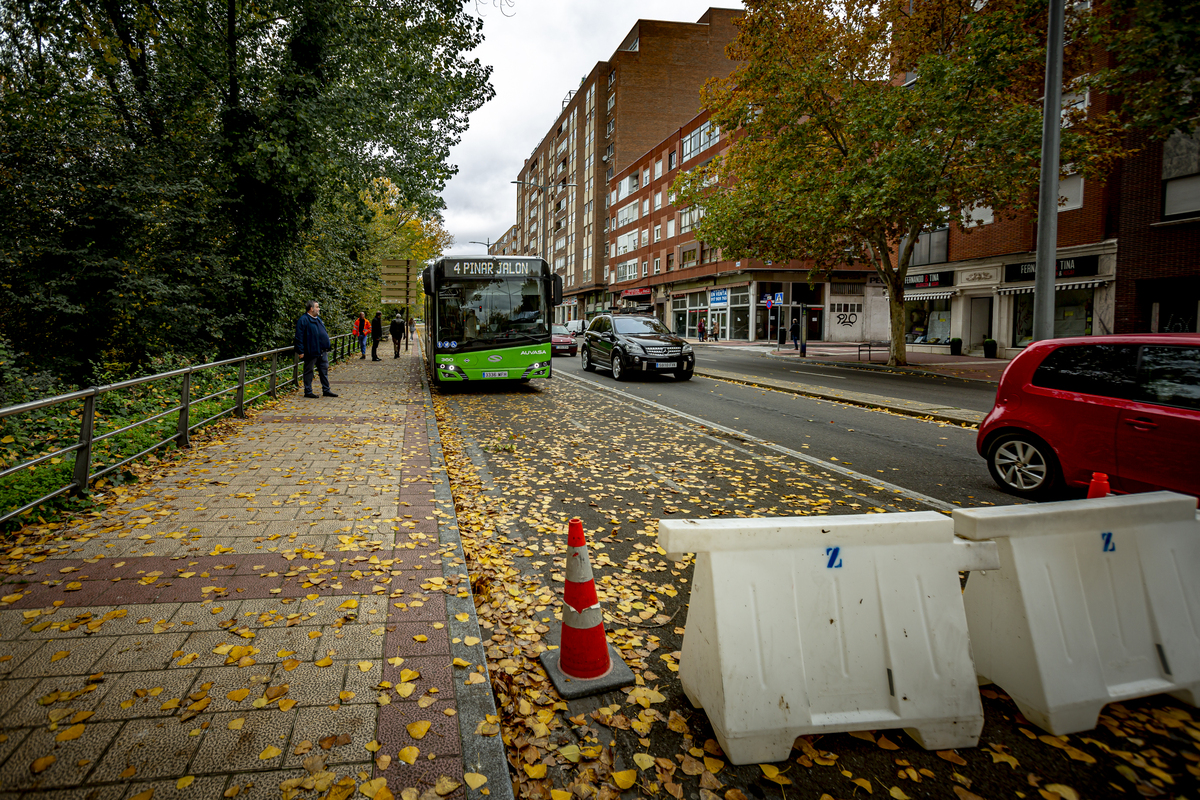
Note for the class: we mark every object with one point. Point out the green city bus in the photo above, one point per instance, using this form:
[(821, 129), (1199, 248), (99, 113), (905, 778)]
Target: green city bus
[(488, 318)]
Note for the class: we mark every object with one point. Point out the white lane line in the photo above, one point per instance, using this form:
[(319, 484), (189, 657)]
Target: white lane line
[(919, 497), (820, 375)]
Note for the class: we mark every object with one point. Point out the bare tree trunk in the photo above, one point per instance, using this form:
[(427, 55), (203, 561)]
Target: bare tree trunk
[(899, 353)]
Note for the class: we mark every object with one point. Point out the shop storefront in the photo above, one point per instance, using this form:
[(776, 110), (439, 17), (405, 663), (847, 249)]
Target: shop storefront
[(1075, 298)]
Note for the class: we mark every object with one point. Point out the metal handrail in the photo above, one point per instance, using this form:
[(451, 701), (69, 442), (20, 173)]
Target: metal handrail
[(340, 347)]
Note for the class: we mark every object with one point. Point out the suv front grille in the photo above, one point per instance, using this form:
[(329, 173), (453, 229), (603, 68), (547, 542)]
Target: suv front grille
[(664, 351)]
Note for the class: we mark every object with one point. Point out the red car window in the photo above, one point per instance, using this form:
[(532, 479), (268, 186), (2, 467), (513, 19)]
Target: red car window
[(1107, 370)]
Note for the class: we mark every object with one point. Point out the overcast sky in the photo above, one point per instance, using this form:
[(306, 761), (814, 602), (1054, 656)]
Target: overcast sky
[(538, 53)]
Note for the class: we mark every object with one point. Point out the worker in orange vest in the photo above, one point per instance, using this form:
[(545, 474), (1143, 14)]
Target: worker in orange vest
[(362, 329)]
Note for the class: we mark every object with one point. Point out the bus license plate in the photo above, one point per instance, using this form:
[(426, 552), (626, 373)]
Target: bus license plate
[(666, 364), (495, 374)]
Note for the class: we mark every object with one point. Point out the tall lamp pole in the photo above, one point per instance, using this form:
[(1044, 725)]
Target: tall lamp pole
[(487, 244), (1047, 230)]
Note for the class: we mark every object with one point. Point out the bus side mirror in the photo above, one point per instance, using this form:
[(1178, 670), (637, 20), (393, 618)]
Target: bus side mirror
[(558, 287), (427, 282)]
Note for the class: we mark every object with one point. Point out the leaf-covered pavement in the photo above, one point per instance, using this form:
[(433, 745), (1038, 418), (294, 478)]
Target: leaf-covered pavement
[(523, 460), (271, 614)]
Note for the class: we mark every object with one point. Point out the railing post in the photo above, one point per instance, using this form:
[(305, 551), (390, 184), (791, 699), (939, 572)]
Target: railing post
[(333, 354), (183, 437), (274, 373), (295, 370), (239, 407), (83, 456)]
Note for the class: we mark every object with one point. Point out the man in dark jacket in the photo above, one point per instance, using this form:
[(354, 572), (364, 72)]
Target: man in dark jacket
[(312, 344), (795, 332), (376, 335), (397, 329)]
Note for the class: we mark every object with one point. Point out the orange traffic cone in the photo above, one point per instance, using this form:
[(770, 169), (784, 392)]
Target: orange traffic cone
[(585, 662), (1099, 486)]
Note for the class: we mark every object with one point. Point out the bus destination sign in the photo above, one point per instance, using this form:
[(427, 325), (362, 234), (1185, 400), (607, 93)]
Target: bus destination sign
[(499, 268)]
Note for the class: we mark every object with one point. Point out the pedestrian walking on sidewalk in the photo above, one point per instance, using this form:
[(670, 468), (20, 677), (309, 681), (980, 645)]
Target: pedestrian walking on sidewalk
[(398, 330), (795, 331), (362, 329), (700, 329), (312, 344), (376, 335)]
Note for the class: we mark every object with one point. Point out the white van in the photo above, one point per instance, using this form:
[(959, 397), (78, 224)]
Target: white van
[(574, 326)]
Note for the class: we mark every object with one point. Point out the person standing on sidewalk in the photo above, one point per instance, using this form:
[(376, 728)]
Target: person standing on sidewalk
[(362, 327), (312, 344), (376, 335), (397, 329), (700, 329), (795, 331)]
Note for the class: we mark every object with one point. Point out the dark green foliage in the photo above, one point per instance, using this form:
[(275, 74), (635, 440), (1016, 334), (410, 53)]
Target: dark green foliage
[(181, 176)]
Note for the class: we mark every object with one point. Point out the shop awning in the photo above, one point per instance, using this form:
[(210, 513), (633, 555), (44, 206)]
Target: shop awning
[(925, 295), (1060, 287)]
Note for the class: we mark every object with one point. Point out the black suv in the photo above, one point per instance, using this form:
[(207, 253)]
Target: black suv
[(627, 342)]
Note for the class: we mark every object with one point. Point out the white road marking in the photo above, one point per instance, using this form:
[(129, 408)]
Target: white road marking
[(819, 374), (919, 497)]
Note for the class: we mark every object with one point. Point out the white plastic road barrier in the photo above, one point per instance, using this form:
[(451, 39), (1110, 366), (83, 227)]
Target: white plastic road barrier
[(1095, 601), (823, 624)]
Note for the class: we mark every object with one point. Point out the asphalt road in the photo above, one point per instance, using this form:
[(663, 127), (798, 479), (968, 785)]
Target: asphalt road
[(973, 395), (934, 459)]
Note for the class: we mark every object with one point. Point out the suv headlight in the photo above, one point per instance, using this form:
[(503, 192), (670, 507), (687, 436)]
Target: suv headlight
[(687, 348)]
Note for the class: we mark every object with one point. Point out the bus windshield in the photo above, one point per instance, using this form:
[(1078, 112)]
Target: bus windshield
[(485, 312)]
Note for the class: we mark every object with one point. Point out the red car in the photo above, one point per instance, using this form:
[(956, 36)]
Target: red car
[(1127, 406), (562, 342)]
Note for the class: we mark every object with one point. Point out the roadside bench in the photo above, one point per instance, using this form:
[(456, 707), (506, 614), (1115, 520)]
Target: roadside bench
[(868, 346)]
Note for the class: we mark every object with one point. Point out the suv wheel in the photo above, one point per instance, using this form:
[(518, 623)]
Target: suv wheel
[(1023, 465), (588, 366), (683, 375), (618, 366)]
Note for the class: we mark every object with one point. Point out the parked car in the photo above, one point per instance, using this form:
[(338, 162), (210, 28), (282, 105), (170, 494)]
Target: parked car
[(574, 327), (624, 343), (561, 342), (1127, 406)]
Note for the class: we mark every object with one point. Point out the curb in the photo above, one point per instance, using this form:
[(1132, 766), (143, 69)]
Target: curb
[(920, 410), (924, 373), (482, 754)]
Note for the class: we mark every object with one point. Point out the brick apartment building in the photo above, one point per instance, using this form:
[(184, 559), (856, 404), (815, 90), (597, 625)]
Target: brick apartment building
[(1128, 260), (657, 263), (646, 89), (506, 245)]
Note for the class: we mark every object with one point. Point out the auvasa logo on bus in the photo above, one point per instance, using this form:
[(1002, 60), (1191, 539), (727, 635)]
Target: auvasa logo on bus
[(533, 352)]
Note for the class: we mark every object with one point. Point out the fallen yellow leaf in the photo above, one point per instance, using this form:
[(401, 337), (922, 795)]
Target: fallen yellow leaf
[(897, 793), (351, 603), (474, 779), (269, 753), (418, 729), (236, 724), (185, 781), (42, 764), (70, 734), (643, 760), (623, 779), (409, 754), (365, 666), (373, 746), (59, 656), (458, 662), (238, 695)]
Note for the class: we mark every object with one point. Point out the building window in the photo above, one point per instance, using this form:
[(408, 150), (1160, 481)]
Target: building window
[(612, 77), (645, 269), (657, 265), (689, 258), (1070, 192), (658, 168), (700, 140), (627, 270), (670, 261), (931, 247), (626, 214), (670, 228), (645, 237), (646, 206), (612, 101), (658, 233), (974, 216), (1181, 176), (689, 217), (671, 160), (657, 200), (612, 125)]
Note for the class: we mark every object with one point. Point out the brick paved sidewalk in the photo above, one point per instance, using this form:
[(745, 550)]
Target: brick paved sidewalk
[(275, 617)]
